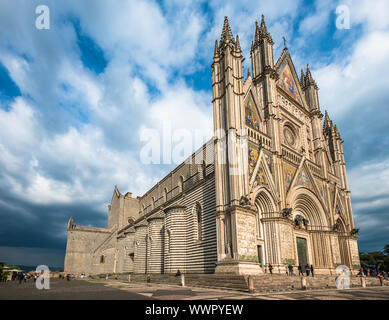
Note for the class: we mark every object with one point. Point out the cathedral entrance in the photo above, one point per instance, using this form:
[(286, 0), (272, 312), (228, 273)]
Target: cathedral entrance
[(259, 249), (302, 251)]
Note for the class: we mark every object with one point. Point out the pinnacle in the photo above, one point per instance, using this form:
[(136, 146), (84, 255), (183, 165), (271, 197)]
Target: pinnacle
[(302, 79), (237, 44), (263, 26), (226, 33), (216, 52)]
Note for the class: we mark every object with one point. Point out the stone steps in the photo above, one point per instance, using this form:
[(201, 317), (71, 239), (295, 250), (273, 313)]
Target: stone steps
[(262, 283)]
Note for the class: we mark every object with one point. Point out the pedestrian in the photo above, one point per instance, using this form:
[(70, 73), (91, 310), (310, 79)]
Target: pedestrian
[(270, 268), (178, 273), (312, 270), (307, 269), (300, 270), (360, 272), (290, 268), (68, 277), (20, 277), (368, 272)]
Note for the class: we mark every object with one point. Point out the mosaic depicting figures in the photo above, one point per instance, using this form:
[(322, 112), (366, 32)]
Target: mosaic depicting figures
[(303, 180), (260, 178), (251, 118), (289, 172), (253, 158), (286, 82), (337, 210), (268, 162)]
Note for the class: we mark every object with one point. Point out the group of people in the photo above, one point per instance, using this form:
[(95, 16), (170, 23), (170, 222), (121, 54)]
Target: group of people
[(373, 273), (67, 277), (309, 270)]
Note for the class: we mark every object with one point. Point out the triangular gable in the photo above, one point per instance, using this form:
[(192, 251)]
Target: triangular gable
[(289, 173), (288, 80), (304, 178), (253, 114), (338, 208), (262, 175)]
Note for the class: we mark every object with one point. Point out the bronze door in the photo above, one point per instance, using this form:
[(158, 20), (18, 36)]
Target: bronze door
[(302, 252)]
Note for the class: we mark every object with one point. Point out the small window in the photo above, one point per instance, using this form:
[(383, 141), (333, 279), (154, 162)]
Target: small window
[(102, 259), (199, 222)]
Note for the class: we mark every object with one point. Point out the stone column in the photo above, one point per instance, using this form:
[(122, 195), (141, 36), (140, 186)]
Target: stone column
[(175, 235), (140, 254), (156, 243)]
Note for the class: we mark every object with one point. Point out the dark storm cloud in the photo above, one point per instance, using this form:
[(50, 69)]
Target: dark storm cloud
[(41, 226)]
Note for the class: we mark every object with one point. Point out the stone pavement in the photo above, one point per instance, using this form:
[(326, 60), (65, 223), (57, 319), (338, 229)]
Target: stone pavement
[(61, 289), (173, 292), (121, 290)]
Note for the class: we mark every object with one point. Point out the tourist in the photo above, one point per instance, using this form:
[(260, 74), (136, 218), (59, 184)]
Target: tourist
[(290, 268), (312, 270), (270, 268), (360, 272), (68, 277), (20, 277), (307, 269), (368, 272), (178, 273), (300, 270)]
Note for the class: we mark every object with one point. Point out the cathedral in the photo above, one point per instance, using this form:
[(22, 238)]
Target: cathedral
[(269, 188)]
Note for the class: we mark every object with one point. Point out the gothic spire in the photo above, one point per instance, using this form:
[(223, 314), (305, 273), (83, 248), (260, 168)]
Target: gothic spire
[(327, 122), (309, 79), (226, 33), (263, 33), (263, 29)]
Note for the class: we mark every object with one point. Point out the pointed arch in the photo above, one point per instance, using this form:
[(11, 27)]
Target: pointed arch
[(306, 202)]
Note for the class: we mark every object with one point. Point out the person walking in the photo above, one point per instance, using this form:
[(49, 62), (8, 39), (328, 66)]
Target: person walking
[(270, 268), (307, 269), (312, 270), (290, 268), (300, 269), (20, 277)]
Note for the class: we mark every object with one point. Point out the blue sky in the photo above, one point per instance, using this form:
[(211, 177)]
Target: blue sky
[(74, 99)]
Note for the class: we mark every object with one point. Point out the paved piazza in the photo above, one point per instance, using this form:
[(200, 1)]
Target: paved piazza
[(118, 290)]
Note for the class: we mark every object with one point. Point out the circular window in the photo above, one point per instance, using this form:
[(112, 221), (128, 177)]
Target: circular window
[(290, 138)]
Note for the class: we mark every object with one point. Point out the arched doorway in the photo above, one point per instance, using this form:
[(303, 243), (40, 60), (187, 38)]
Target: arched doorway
[(343, 243), (266, 229), (311, 226)]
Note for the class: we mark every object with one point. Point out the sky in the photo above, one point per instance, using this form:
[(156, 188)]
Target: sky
[(76, 98)]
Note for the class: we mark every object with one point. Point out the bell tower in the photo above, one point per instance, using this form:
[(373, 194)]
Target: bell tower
[(235, 253)]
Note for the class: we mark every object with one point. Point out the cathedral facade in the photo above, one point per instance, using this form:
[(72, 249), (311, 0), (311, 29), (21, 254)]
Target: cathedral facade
[(270, 187)]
